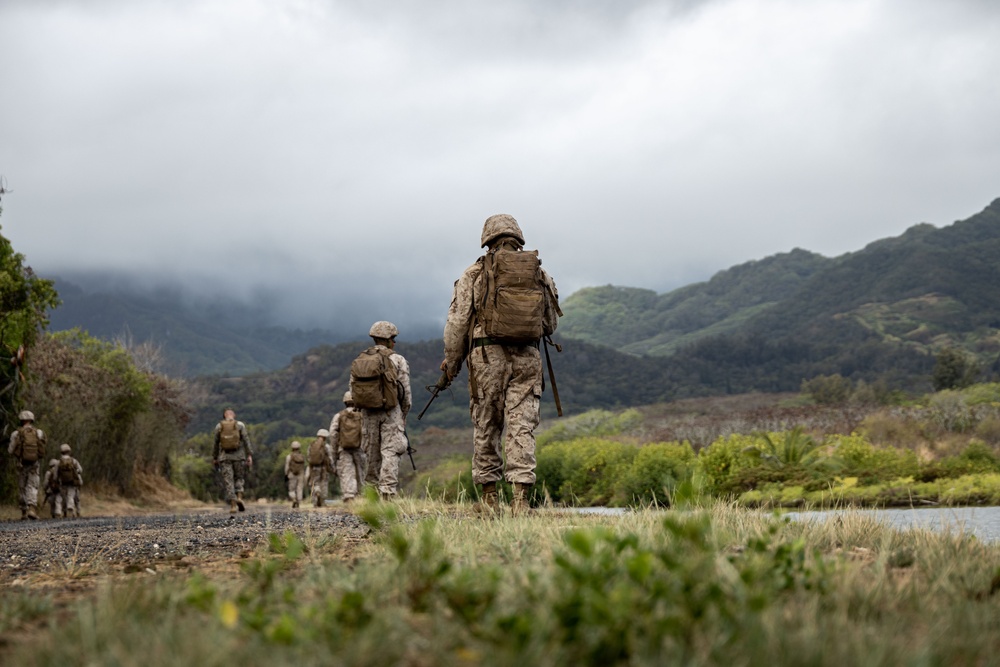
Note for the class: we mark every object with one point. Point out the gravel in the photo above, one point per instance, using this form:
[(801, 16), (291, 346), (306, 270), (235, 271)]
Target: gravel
[(141, 542)]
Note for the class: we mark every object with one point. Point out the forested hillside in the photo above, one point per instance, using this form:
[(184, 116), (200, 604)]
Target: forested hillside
[(882, 312)]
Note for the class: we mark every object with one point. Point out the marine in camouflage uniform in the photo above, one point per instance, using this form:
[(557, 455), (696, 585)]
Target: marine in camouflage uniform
[(233, 464), (319, 475), (505, 381), (27, 471), (50, 485), (352, 464), (68, 498), (295, 473), (383, 432)]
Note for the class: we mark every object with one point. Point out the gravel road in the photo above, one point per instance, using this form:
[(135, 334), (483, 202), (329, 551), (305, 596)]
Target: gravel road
[(140, 542)]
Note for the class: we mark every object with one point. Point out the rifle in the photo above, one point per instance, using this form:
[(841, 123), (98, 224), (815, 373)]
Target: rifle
[(435, 389), (546, 341), (410, 450)]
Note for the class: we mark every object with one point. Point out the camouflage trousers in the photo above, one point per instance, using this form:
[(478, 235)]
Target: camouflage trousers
[(296, 482), (27, 485), (383, 438), (233, 475), (68, 499), (508, 391), (319, 484), (351, 468)]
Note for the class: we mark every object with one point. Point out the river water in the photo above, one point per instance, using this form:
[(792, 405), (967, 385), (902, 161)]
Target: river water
[(983, 522)]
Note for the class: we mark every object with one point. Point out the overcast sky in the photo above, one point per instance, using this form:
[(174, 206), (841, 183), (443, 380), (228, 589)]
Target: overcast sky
[(336, 153)]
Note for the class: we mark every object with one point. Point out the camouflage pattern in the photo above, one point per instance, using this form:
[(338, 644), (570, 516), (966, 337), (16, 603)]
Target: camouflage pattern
[(68, 498), (233, 478), (232, 465), (50, 486), (383, 438), (319, 477), (28, 476), (296, 482), (351, 464), (507, 383)]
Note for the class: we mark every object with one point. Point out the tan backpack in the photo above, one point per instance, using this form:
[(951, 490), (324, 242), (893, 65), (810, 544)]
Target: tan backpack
[(513, 304), (29, 444), (297, 464), (229, 435), (350, 429), (373, 380), (317, 452), (67, 471)]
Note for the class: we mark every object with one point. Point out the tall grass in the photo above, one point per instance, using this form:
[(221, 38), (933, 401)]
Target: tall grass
[(434, 586)]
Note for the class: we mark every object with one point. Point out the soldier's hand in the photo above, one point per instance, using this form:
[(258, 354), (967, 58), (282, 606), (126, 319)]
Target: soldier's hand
[(249, 461)]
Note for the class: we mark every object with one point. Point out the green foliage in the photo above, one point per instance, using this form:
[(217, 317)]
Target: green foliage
[(593, 423), (828, 389), (595, 471), (118, 419), (953, 369), (870, 464), (723, 461), (976, 458)]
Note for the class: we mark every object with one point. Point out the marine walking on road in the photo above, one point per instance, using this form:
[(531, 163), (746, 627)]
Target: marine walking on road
[(27, 449), (232, 454), (502, 309)]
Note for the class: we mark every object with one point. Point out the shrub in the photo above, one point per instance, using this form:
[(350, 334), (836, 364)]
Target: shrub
[(721, 461), (584, 471), (870, 464), (655, 471), (976, 458)]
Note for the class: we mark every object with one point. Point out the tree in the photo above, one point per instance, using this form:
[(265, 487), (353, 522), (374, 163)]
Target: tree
[(25, 300), (953, 369)]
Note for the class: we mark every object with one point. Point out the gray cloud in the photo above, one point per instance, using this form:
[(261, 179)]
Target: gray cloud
[(287, 147)]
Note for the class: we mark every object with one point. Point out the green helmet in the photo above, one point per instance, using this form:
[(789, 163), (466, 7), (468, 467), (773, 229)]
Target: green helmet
[(501, 225), (383, 329)]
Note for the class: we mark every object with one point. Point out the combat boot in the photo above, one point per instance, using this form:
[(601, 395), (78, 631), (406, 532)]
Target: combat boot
[(24, 514), (489, 502), (232, 506), (239, 501), (31, 513), (520, 504)]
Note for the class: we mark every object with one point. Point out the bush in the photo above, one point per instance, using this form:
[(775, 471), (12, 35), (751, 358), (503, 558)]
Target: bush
[(723, 460), (449, 481), (655, 471), (583, 471), (976, 458), (870, 464)]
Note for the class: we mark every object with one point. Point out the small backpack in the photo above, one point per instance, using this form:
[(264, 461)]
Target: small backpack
[(513, 304), (373, 380), (317, 452), (29, 443), (229, 435), (297, 464), (67, 471), (350, 429)]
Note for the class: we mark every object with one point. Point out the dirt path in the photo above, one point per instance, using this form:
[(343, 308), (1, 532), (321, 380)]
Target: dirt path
[(150, 542)]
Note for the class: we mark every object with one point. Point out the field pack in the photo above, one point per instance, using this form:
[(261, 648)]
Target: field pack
[(67, 471), (373, 380), (296, 464), (229, 435), (514, 296), (350, 429), (317, 452), (29, 443)]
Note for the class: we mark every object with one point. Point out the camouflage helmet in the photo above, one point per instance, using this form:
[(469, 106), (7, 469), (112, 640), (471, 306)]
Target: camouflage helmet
[(53, 462), (383, 329), (296, 445), (348, 398), (26, 416), (501, 225), (65, 448), (323, 433)]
